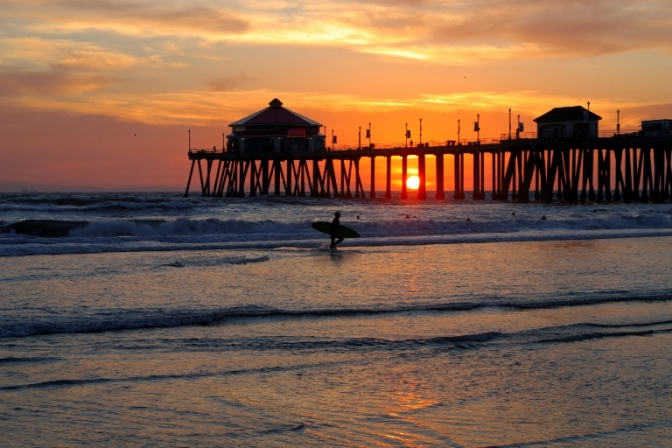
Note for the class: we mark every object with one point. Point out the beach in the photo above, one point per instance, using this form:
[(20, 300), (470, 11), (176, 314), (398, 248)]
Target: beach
[(164, 321)]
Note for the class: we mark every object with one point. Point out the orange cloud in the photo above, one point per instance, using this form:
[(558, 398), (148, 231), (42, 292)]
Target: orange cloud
[(460, 31), (207, 107), (61, 52)]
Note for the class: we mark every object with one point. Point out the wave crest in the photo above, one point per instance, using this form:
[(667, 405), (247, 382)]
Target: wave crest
[(151, 319)]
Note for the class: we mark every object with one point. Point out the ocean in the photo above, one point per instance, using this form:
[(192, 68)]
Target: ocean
[(142, 319)]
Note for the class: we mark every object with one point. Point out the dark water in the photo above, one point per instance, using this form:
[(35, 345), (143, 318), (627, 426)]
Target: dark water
[(226, 323)]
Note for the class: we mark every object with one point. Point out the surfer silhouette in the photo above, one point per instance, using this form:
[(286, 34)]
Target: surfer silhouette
[(334, 227)]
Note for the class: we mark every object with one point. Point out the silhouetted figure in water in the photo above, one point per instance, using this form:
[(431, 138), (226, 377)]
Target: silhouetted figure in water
[(543, 218), (334, 227), (513, 214), (468, 219)]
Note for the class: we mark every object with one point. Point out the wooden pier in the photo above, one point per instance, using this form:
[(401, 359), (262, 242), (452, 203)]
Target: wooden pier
[(618, 168)]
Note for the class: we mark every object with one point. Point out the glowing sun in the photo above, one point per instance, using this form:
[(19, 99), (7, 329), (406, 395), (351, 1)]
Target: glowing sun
[(413, 182)]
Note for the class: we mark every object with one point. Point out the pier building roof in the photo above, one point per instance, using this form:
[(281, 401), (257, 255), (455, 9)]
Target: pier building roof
[(573, 113), (277, 115)]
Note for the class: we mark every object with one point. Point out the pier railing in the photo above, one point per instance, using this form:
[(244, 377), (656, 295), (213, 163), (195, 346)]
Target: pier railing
[(521, 137), (374, 147), (573, 135)]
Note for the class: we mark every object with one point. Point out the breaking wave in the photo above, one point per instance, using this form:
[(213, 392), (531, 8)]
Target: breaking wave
[(52, 224), (110, 321), (91, 202), (48, 237), (382, 228)]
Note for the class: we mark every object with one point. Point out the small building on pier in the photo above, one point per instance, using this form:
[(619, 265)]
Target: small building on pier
[(567, 122), (657, 128), (275, 130)]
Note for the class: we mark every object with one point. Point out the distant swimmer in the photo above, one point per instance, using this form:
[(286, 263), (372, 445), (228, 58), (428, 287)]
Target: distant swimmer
[(408, 216), (468, 219), (513, 214), (334, 225), (357, 216), (543, 218)]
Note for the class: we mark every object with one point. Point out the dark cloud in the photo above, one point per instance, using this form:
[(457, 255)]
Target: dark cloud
[(559, 28), (14, 82), (395, 21), (590, 28), (160, 14), (227, 83)]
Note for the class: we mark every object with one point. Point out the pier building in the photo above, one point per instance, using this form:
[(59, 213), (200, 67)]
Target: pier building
[(657, 127), (568, 122), (275, 130)]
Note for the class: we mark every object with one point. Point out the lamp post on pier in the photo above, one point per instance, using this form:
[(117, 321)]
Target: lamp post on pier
[(421, 132), (589, 130), (359, 144), (618, 122), (509, 123), (458, 132), (368, 135), (518, 129), (406, 135)]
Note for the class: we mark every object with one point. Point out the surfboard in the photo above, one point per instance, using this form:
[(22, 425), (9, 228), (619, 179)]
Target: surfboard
[(341, 231)]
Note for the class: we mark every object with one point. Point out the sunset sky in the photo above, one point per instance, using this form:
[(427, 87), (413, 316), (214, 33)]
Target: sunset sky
[(102, 93)]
